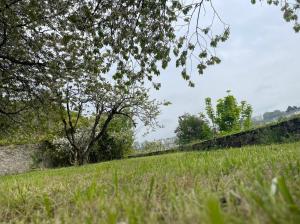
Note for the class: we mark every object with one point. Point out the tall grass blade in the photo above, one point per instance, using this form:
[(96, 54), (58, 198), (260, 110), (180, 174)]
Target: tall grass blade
[(214, 211)]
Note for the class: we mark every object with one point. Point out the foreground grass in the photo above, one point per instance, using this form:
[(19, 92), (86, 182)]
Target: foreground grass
[(248, 185)]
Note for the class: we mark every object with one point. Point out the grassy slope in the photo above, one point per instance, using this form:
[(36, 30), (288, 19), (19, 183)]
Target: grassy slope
[(232, 185)]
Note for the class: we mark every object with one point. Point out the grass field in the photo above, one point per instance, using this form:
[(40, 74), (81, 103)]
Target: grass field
[(247, 185)]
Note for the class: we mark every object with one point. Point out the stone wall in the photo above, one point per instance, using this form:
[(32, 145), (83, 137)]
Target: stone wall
[(16, 158), (285, 131), (278, 133)]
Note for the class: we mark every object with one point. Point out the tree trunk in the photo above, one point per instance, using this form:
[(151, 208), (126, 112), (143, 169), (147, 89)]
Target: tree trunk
[(79, 158)]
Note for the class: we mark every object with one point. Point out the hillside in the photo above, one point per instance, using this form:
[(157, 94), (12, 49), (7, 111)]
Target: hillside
[(246, 185)]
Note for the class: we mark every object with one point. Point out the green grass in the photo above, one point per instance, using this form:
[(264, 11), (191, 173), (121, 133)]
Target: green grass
[(248, 185)]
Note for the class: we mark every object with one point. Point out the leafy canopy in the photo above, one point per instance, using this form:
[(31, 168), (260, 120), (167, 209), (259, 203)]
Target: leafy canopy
[(229, 115), (46, 42)]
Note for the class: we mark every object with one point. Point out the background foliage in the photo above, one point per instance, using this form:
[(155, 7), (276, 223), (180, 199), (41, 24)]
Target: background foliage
[(192, 128)]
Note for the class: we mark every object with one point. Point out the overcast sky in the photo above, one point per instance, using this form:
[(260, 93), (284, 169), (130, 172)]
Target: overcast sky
[(260, 64)]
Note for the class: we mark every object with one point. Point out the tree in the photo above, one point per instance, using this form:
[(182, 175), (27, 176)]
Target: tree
[(211, 114), (116, 142), (269, 116), (151, 146), (292, 109), (229, 115), (35, 124), (290, 10), (246, 115), (102, 102), (40, 40), (191, 128)]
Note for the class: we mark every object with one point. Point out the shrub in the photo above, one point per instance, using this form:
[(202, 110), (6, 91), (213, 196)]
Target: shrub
[(192, 128), (109, 148)]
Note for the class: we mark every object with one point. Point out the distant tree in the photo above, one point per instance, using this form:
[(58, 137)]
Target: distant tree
[(211, 114), (292, 109), (246, 115), (152, 146), (269, 116), (192, 128), (229, 115)]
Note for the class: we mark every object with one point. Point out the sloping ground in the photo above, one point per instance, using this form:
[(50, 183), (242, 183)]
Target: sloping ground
[(243, 185), (16, 158)]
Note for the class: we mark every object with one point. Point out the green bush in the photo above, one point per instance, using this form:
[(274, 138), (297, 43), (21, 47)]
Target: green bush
[(109, 148), (192, 128)]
